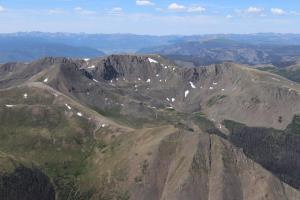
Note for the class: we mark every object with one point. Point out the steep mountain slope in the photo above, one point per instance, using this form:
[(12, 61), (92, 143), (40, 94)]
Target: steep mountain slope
[(141, 127), (50, 129), (135, 83), (277, 151)]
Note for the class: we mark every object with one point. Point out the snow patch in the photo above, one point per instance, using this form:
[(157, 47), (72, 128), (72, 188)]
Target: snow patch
[(25, 95), (275, 79), (211, 88), (157, 75), (192, 85), (45, 80), (173, 99), (79, 114), (186, 93), (95, 81), (92, 67), (152, 60), (86, 59), (223, 89), (69, 107), (149, 80), (214, 83), (139, 79), (168, 99), (10, 106)]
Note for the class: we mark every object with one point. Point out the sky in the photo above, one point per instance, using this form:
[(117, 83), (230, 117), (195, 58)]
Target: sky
[(151, 17)]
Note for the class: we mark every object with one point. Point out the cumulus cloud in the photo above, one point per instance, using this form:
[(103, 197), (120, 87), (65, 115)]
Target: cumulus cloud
[(196, 9), (254, 10), (83, 11), (56, 11), (2, 9), (144, 3), (294, 13), (229, 16), (182, 8), (176, 7), (116, 11), (277, 11)]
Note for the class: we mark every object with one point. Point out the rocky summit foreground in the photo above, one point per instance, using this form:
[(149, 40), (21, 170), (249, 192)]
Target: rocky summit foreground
[(143, 128)]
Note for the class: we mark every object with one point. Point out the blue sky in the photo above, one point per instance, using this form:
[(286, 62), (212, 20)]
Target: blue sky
[(155, 17)]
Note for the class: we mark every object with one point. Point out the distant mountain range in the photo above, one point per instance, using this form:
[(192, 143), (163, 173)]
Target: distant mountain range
[(223, 50), (28, 49), (264, 48)]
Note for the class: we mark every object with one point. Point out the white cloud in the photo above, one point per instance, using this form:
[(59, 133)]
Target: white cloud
[(254, 10), (83, 11), (182, 8), (116, 11), (229, 16), (2, 9), (78, 8), (277, 11), (144, 3), (176, 7), (56, 11), (294, 13), (196, 9)]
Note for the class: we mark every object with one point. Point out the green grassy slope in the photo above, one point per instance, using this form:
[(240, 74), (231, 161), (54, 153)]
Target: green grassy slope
[(42, 131)]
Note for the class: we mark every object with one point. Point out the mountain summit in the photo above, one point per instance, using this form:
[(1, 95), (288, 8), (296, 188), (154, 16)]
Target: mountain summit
[(143, 127)]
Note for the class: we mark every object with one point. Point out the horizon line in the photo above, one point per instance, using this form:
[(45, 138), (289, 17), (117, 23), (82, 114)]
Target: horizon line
[(137, 34)]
